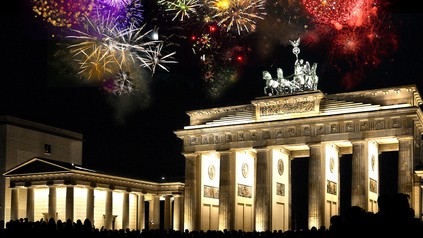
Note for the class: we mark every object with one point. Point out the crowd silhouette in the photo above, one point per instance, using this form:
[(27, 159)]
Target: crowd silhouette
[(394, 217)]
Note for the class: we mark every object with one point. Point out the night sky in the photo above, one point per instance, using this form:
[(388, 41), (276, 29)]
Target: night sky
[(133, 135)]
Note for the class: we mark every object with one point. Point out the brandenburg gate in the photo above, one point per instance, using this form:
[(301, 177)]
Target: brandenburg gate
[(238, 158), (238, 168)]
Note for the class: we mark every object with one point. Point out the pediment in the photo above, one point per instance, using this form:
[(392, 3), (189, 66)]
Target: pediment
[(38, 166)]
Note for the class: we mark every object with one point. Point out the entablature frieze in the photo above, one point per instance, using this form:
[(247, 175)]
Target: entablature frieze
[(296, 105), (69, 179), (292, 132)]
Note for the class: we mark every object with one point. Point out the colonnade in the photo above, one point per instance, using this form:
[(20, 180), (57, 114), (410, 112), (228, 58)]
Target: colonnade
[(267, 203), (133, 213)]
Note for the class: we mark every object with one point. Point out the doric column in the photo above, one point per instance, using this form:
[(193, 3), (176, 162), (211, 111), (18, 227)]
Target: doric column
[(316, 188), (14, 209), (69, 202), (125, 210), (178, 207), (154, 212), (191, 196), (141, 212), (359, 174), (405, 165), (52, 200), (108, 219), (263, 190), (226, 191), (167, 213), (90, 203), (30, 203), (416, 199)]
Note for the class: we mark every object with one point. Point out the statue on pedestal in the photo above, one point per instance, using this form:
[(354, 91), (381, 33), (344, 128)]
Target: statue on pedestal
[(303, 79)]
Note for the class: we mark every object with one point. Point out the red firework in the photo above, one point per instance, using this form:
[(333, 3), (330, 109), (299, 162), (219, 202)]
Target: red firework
[(340, 13), (356, 33)]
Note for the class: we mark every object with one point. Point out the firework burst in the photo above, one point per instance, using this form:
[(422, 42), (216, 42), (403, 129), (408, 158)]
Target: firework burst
[(181, 8), (95, 49), (153, 57), (122, 84), (118, 4), (238, 15), (103, 51), (63, 13), (340, 13), (202, 43), (356, 33), (125, 12)]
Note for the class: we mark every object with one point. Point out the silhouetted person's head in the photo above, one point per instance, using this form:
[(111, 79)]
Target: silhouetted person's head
[(401, 205), (384, 202)]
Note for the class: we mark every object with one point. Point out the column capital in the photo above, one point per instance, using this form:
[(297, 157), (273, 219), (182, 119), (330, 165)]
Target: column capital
[(12, 184), (404, 138), (70, 182), (315, 145), (225, 152), (262, 148), (242, 149), (190, 155), (356, 142)]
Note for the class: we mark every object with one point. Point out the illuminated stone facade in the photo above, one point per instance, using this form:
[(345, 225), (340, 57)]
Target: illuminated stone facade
[(43, 179), (43, 189), (238, 158), (21, 140)]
